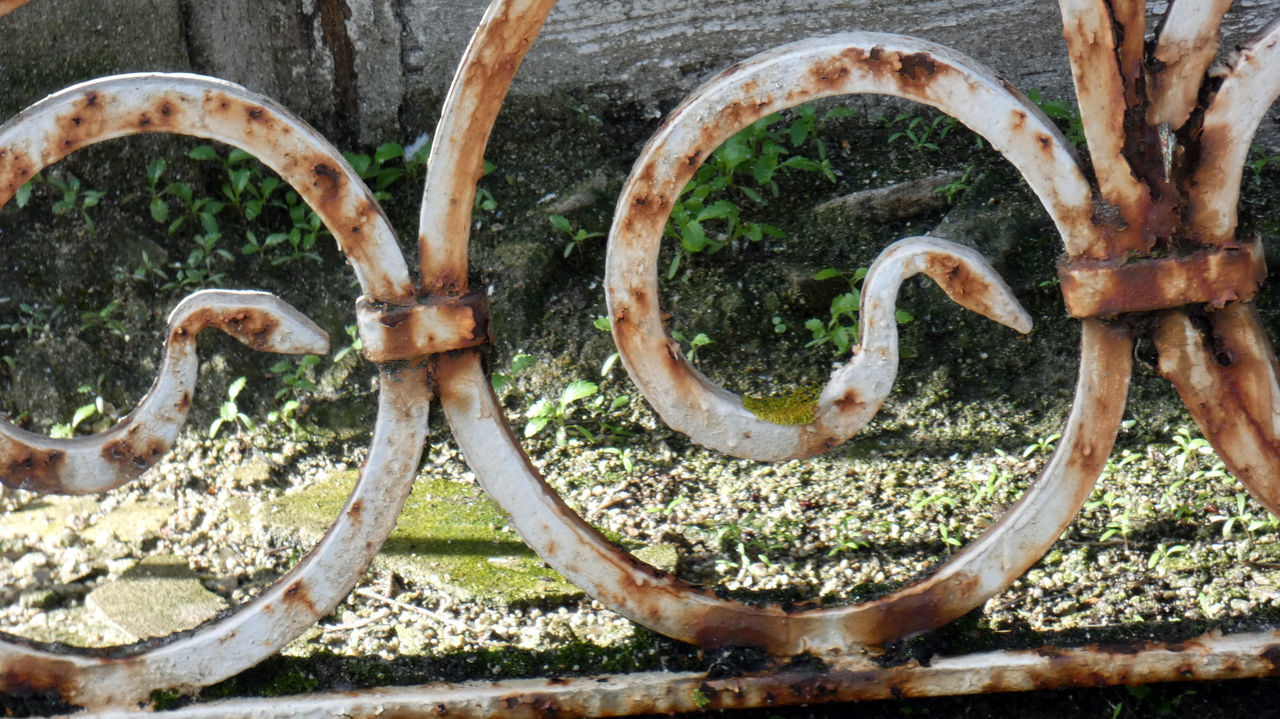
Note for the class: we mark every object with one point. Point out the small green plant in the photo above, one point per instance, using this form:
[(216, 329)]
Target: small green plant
[(708, 215), (669, 507), (1163, 553), (577, 236), (993, 484), (287, 415), (32, 319), (1241, 517), (203, 263), (624, 456), (948, 541), (387, 166), (1186, 448), (97, 407), (956, 187), (230, 413), (544, 411), (603, 324), (519, 363), (559, 413), (484, 202), (356, 346), (699, 340), (1043, 445), (1117, 523), (922, 135), (840, 328), (1260, 160), (75, 197), (849, 538), (146, 271), (295, 376), (700, 699), (103, 319)]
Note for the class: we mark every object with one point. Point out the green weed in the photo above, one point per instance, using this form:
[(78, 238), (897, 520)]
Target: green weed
[(230, 413), (577, 236), (32, 319), (922, 135), (708, 216), (75, 198), (295, 376), (559, 413)]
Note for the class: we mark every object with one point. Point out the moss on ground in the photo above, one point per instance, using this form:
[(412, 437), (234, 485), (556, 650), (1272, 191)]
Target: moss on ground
[(450, 536)]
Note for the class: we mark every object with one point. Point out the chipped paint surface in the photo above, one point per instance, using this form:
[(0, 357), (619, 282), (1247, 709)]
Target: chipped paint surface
[(1149, 251)]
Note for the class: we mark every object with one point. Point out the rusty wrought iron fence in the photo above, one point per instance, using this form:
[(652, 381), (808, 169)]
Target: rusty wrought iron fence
[(1149, 246)]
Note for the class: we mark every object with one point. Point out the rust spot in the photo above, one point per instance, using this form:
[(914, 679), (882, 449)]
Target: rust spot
[(1272, 656), (917, 66), (394, 318), (958, 281), (297, 595), (184, 402), (134, 458), (77, 127), (904, 615), (848, 402), (357, 508), (31, 675), (255, 113), (33, 469), (252, 328), (830, 74), (327, 178)]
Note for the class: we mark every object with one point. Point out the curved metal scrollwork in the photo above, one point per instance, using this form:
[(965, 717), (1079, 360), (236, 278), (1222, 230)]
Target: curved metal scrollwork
[(1154, 235)]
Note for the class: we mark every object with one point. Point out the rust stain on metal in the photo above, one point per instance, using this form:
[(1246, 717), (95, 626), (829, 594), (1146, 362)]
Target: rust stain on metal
[(32, 469), (1225, 372), (134, 457), (254, 329), (38, 675), (297, 595), (1212, 276), (395, 333)]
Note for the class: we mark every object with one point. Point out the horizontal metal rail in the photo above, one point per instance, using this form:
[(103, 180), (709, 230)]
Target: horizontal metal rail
[(1148, 241)]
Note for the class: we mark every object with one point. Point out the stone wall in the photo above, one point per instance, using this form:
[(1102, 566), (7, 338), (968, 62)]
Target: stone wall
[(369, 70)]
